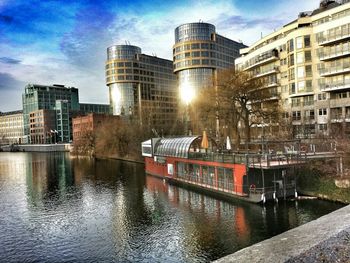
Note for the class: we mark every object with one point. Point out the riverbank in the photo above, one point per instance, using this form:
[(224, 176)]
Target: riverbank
[(326, 239), (62, 147), (323, 187)]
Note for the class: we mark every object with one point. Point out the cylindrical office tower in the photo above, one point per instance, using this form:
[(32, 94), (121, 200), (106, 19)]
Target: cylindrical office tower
[(194, 58), (120, 79)]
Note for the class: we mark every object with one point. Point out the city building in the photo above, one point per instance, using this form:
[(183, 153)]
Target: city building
[(307, 63), (48, 112), (88, 123), (198, 53), (141, 86), (94, 108), (59, 98), (43, 126), (11, 127)]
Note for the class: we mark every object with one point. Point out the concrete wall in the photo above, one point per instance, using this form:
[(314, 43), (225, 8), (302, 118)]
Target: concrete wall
[(301, 241)]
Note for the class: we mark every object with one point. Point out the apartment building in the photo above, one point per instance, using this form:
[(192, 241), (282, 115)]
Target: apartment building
[(307, 64), (11, 127)]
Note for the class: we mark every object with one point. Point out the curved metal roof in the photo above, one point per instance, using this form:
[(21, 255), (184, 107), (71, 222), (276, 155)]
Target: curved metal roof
[(174, 147)]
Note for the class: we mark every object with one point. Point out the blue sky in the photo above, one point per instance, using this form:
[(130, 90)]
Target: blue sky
[(64, 42)]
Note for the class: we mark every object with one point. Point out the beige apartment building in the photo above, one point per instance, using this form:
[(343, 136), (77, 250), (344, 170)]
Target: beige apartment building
[(11, 127), (306, 64)]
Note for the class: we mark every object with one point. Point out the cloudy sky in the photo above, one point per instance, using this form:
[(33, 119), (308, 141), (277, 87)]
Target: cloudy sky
[(64, 42)]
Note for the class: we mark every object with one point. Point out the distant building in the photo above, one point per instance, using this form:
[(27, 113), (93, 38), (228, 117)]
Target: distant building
[(43, 127), (56, 97), (87, 123), (96, 108), (307, 64), (11, 127), (48, 112), (141, 86)]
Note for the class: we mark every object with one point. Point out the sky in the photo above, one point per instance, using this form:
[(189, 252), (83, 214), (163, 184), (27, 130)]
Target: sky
[(64, 42)]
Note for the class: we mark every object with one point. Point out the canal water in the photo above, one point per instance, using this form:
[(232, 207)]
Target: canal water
[(57, 209)]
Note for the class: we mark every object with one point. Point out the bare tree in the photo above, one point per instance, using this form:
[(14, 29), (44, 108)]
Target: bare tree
[(240, 102)]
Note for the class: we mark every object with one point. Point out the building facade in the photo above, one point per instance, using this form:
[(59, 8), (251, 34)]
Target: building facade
[(11, 127), (43, 127), (89, 123), (307, 64), (94, 108), (141, 86), (59, 98), (198, 53)]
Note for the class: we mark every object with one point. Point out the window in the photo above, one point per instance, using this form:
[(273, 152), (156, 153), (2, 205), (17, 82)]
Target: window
[(322, 127), (342, 95), (301, 72), (300, 57), (301, 86), (195, 46), (292, 88), (308, 70), (322, 112), (322, 96), (296, 115), (291, 60), (291, 45), (299, 42), (307, 55), (307, 41)]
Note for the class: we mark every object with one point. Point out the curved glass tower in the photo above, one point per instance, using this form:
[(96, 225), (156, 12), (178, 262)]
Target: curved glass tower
[(198, 52), (119, 70), (141, 85)]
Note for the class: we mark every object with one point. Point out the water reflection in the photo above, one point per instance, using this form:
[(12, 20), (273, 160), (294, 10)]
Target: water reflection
[(55, 208)]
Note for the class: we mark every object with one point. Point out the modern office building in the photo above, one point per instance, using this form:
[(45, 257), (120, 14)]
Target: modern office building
[(11, 127), (141, 86), (48, 112), (198, 53), (56, 97), (307, 63)]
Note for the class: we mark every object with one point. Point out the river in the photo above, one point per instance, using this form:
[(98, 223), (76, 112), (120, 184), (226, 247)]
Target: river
[(54, 208)]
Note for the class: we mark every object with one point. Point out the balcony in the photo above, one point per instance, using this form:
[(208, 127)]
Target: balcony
[(332, 71), (263, 59), (333, 55), (273, 70), (336, 117), (332, 39), (336, 86)]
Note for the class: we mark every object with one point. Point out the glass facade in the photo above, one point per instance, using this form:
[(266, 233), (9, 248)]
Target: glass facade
[(198, 52), (141, 85), (194, 31), (37, 97), (121, 96)]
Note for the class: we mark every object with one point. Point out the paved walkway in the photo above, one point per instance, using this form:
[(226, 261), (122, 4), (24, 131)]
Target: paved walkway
[(326, 239)]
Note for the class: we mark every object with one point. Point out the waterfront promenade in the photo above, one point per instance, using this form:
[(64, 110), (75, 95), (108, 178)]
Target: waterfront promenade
[(326, 239)]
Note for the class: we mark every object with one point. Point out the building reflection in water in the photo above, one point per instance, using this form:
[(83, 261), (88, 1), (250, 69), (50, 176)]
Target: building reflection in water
[(106, 209)]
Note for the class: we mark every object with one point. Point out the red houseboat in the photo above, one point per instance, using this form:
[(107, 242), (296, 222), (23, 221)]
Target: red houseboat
[(255, 177)]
